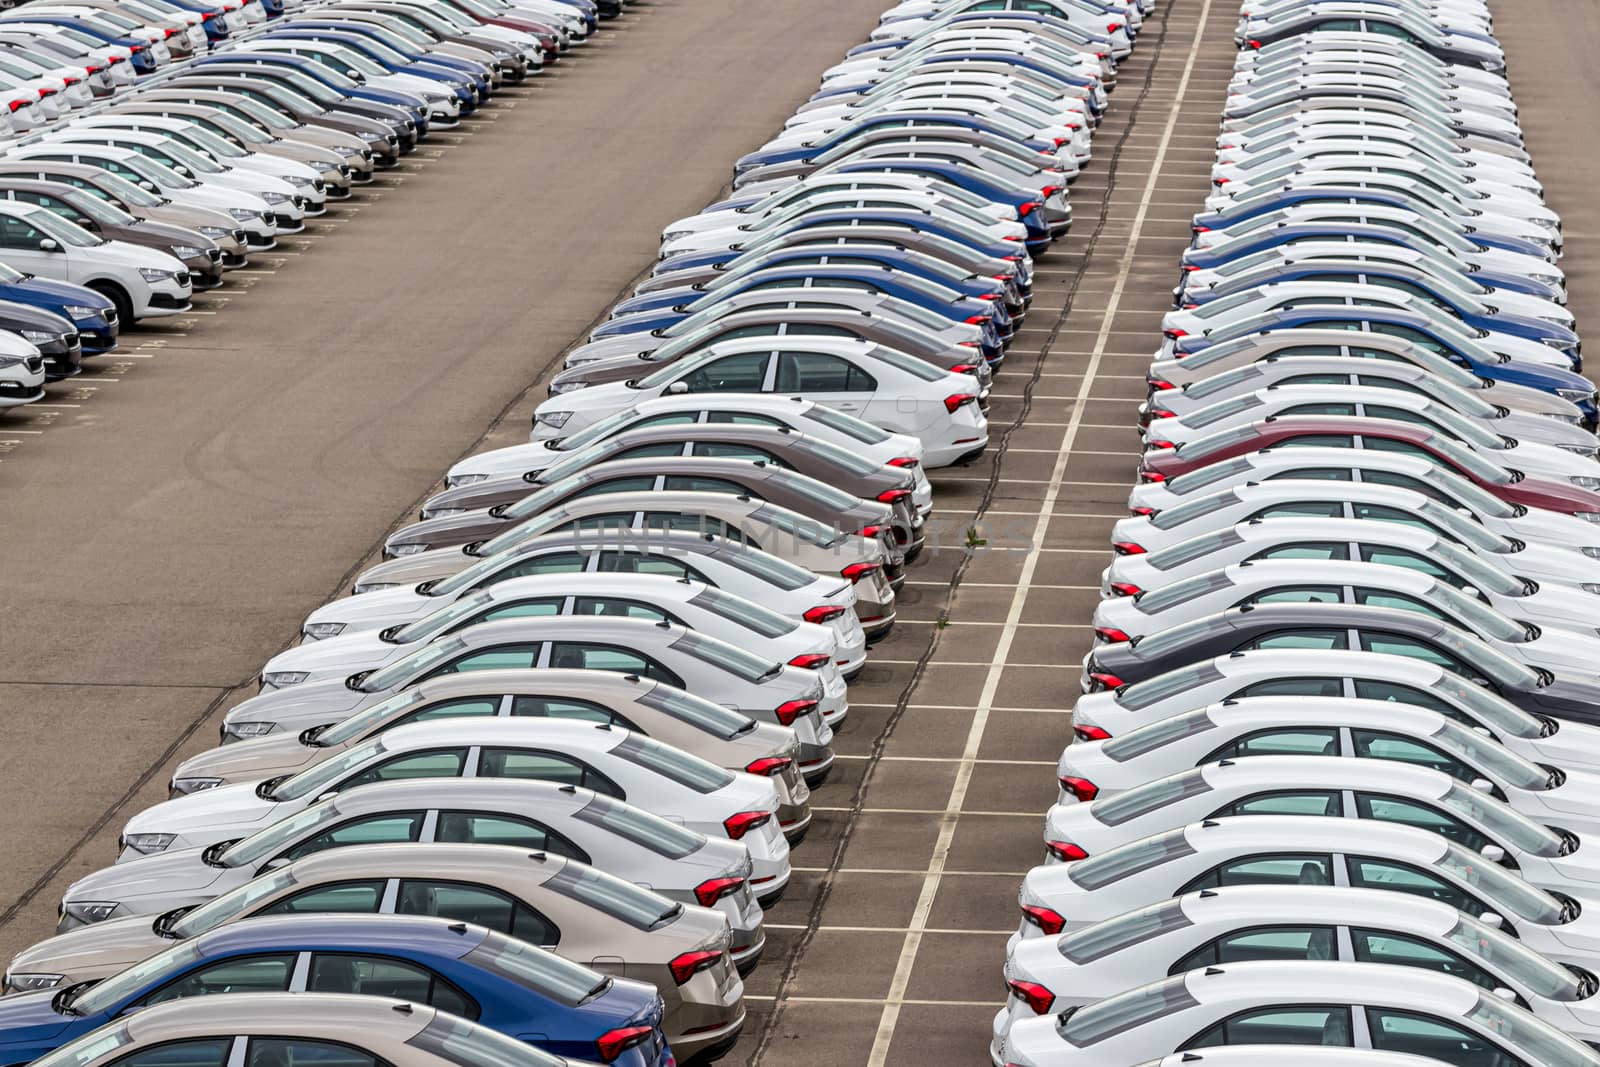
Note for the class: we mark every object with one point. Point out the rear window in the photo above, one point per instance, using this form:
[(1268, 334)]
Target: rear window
[(1107, 1018), (1189, 510), (913, 366), (1184, 484), (849, 425), (731, 658), (636, 906), (1192, 549), (769, 568), (1143, 694), (819, 491), (1141, 800), (1131, 745), (1170, 596), (698, 712), (641, 827), (744, 612), (465, 1044), (674, 764), (796, 525), (1114, 935), (533, 968), (1216, 442), (1125, 861)]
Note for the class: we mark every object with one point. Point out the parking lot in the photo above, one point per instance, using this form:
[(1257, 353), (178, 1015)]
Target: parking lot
[(191, 497)]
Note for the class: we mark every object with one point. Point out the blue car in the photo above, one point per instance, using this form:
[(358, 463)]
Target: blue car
[(464, 89), (213, 18), (898, 218), (496, 981), (94, 315), (1420, 329), (141, 59), (898, 120), (415, 108), (379, 43)]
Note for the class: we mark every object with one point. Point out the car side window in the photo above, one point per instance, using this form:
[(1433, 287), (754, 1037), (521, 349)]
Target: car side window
[(1309, 1024), (17, 234), (306, 1052), (1275, 869), (1423, 1035), (479, 828), (1261, 943), (1301, 639), (1374, 744), (1320, 474), (636, 483), (671, 418), (661, 448), (459, 708), (534, 608), (1372, 873), (730, 450), (581, 655), (1382, 598), (700, 483), (1409, 812), (743, 418), (1288, 741), (1293, 687), (1384, 946), (437, 763), (544, 767), (1317, 550), (565, 708), (1309, 509), (383, 976), (55, 204), (620, 608), (700, 524), (386, 829), (477, 904), (1297, 594), (551, 563), (199, 1052), (1389, 444), (1317, 440), (1405, 694), (244, 974), (817, 372), (1323, 803), (641, 563), (359, 898), (743, 373), (522, 655), (1329, 408)]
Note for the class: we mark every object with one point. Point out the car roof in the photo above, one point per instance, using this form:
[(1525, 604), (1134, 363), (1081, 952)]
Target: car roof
[(472, 730), (418, 859), (495, 794), (1274, 662), (344, 930), (304, 1014), (1354, 983), (1318, 834), (550, 679), (1336, 772), (1343, 905)]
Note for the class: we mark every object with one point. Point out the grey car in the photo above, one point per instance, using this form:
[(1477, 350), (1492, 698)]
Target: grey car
[(629, 842), (806, 496), (361, 154), (773, 446)]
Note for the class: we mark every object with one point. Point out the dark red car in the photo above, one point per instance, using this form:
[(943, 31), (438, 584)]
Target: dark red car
[(1346, 431)]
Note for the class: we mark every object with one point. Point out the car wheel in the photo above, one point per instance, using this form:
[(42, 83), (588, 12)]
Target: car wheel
[(118, 296)]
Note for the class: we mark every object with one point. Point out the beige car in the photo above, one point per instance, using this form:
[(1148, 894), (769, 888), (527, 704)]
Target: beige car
[(319, 1027), (562, 905), (727, 738)]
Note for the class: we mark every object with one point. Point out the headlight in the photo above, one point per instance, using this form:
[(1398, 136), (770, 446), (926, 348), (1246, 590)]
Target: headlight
[(465, 479), (553, 419), (1590, 587), (322, 166), (367, 135), (412, 550), (79, 311), (1590, 451), (185, 786), (299, 182), (90, 911), (319, 630), (567, 387), (187, 251), (243, 214), (28, 983), (249, 729), (284, 679), (12, 361), (1585, 482), (373, 587), (1590, 516), (1577, 396), (150, 274), (39, 337), (346, 152), (144, 844), (1571, 420), (1556, 342), (275, 198), (216, 231), (1554, 321), (444, 513), (673, 235)]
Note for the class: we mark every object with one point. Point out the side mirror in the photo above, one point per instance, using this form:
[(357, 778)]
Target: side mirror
[(183, 170), (1491, 919), (1493, 853), (148, 186), (1484, 730), (87, 223), (678, 388), (1483, 785), (1505, 994), (48, 244)]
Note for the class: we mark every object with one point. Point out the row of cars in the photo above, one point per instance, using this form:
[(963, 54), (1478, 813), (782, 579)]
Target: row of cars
[(1333, 778), (149, 147), (539, 773)]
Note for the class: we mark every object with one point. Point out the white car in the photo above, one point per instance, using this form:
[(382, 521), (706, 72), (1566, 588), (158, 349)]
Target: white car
[(1300, 850), (766, 690), (21, 371), (143, 282), (1381, 789), (1243, 162), (698, 606), (615, 762), (1242, 923), (891, 390), (1399, 1008), (791, 591), (622, 839), (1303, 1055)]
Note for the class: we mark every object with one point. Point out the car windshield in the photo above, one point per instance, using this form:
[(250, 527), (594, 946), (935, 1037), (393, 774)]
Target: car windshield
[(1124, 861), (1107, 1018), (89, 1048), (1462, 528), (9, 276), (1131, 928), (1536, 1041), (1480, 468), (69, 234), (698, 712), (324, 774), (599, 431), (1156, 735), (232, 905), (188, 157), (1504, 888), (742, 612), (102, 211), (210, 143), (408, 667), (642, 828), (234, 126), (158, 174), (849, 425), (125, 191), (534, 503), (746, 665), (1461, 428), (636, 906), (1499, 952), (533, 968), (1503, 822), (662, 375), (1480, 574), (119, 987), (523, 532), (1476, 614), (1189, 510), (1489, 755), (465, 1044), (435, 623), (267, 842), (365, 721), (1502, 669)]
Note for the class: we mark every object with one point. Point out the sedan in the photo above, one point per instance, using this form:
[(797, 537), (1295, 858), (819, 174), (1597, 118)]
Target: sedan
[(22, 373)]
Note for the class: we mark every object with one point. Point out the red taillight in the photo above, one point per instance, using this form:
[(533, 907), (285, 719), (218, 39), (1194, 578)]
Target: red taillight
[(955, 400), (872, 531), (893, 496), (115, 59), (689, 964), (1038, 997), (790, 710), (766, 767), (207, 16), (1190, 267), (964, 368), (1066, 851), (614, 1043), (714, 889), (1128, 548), (1045, 919), (136, 48), (172, 33), (1113, 27), (1253, 43), (1050, 190), (1158, 444), (1110, 633), (811, 660), (823, 613), (70, 80), (745, 821), (904, 462), (1220, 181), (857, 571), (1125, 589), (1201, 229), (969, 344), (1081, 788), (93, 68), (1152, 476), (1159, 384), (15, 104), (1161, 413), (46, 92), (1175, 333), (978, 320), (1105, 681), (1146, 512), (1034, 205)]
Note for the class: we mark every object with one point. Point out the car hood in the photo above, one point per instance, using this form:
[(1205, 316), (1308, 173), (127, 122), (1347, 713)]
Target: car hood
[(331, 696), (26, 1018), (93, 951), (178, 235), (410, 571), (123, 254), (252, 759), (226, 806), (65, 292), (174, 874), (379, 608), (339, 656)]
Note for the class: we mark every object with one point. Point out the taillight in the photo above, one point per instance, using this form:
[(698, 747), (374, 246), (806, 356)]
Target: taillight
[(978, 320), (766, 767), (172, 33), (1110, 633), (964, 368), (745, 821), (1125, 589), (1050, 190), (823, 613), (1162, 413), (1152, 476), (857, 571), (1066, 851), (1128, 548), (1113, 27), (790, 710), (1144, 511), (811, 660), (873, 531), (1012, 236), (1253, 43), (614, 1043), (714, 889), (1105, 681), (893, 496), (1175, 333), (1220, 181), (904, 462), (955, 400), (136, 48), (46, 92), (1159, 384), (114, 59), (1081, 788), (1203, 229), (1038, 997), (1034, 205), (689, 964), (70, 80), (1159, 444), (93, 68), (1090, 733), (15, 104), (1044, 918), (1191, 267)]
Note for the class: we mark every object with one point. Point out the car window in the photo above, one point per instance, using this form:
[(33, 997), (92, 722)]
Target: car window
[(306, 1052), (640, 563), (1424, 1035), (620, 608), (1308, 1024), (1288, 741), (1293, 687), (1262, 943), (201, 1052), (544, 767), (1298, 594), (388, 828), (1410, 812), (1386, 946), (1301, 639), (479, 828), (383, 976), (1373, 744), (817, 372), (536, 608), (361, 898), (519, 656), (1275, 869), (587, 656), (459, 708), (1318, 802), (743, 373), (247, 974), (1372, 873), (438, 763), (547, 563), (1317, 550), (700, 524), (17, 234), (1319, 474), (477, 904), (566, 708)]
